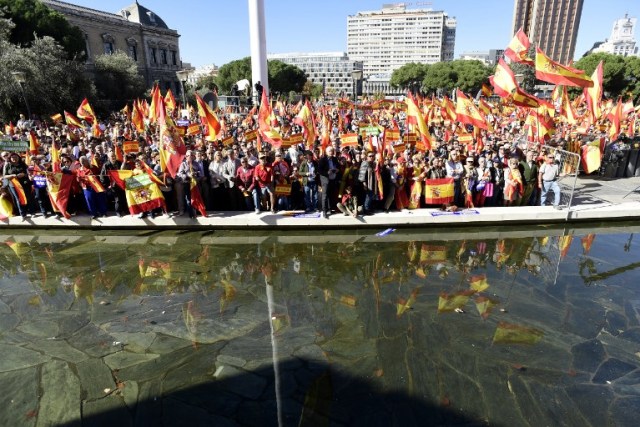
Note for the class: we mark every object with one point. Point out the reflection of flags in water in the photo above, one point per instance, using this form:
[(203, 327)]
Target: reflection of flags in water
[(451, 302), (438, 191), (564, 243), (479, 283), (432, 254), (6, 207), (587, 241), (509, 333)]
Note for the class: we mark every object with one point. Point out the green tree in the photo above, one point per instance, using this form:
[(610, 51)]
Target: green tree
[(283, 77), (613, 72), (311, 89), (117, 80), (409, 75), (470, 74), (207, 82), (34, 19), (632, 76), (53, 82), (441, 78)]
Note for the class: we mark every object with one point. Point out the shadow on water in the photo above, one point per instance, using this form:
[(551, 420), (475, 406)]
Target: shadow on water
[(309, 394)]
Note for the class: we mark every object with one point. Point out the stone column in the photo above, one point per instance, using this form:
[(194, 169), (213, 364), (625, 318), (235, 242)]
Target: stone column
[(258, 41)]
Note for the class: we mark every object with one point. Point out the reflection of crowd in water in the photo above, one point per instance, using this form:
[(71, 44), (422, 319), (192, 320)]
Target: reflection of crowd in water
[(180, 268)]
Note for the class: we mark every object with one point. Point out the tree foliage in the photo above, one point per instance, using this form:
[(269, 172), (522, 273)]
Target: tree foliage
[(632, 76), (283, 77), (53, 82), (613, 80), (117, 80), (408, 75), (467, 76), (34, 19)]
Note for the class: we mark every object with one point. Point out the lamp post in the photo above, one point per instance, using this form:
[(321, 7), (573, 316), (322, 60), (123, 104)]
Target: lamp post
[(21, 78), (183, 75), (357, 76)]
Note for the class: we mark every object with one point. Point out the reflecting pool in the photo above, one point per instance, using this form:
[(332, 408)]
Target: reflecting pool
[(535, 326)]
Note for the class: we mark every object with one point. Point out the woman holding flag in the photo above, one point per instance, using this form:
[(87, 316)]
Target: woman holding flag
[(93, 190), (16, 179)]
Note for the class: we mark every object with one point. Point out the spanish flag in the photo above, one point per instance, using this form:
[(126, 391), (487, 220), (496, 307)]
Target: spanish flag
[(120, 177), (93, 182), (518, 47), (431, 254), (72, 120), (156, 104), (142, 194), (503, 80), (209, 119), (486, 90), (265, 120), (22, 197), (85, 111), (193, 129), (553, 72), (169, 101), (524, 99), (117, 149), (438, 191), (593, 95), (414, 117), (468, 113), (591, 156), (59, 186), (479, 283), (137, 117), (564, 243), (196, 198), (305, 119), (349, 140), (33, 143), (6, 207), (56, 118), (172, 148)]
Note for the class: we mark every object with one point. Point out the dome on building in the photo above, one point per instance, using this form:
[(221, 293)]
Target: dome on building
[(143, 16)]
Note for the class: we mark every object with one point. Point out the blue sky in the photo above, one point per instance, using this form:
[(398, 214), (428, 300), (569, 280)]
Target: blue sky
[(217, 31)]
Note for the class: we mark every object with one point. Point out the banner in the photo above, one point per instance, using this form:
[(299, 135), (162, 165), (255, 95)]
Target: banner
[(228, 141), (438, 191), (193, 129), (130, 147), (399, 148), (296, 138), (252, 135), (349, 140), (410, 137), (283, 190), (143, 194), (392, 135), (10, 145)]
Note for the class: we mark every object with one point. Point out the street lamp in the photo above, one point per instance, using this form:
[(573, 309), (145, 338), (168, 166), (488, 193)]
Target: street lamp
[(183, 75), (357, 76), (21, 78)]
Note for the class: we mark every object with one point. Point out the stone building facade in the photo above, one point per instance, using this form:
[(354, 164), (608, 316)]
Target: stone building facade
[(135, 30)]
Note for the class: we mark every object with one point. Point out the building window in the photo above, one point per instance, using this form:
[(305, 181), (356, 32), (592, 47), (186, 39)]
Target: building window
[(133, 53), (174, 57), (154, 58), (163, 56), (108, 48)]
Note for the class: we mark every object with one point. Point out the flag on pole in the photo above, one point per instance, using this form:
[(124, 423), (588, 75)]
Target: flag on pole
[(414, 117), (593, 95), (208, 118), (518, 47), (85, 111), (306, 120), (503, 80), (467, 112), (142, 194), (265, 120), (59, 188), (553, 72), (438, 191), (72, 120)]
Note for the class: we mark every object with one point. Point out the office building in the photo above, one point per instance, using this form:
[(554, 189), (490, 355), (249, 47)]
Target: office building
[(552, 25), (135, 30), (488, 57), (622, 40), (332, 70), (385, 40)]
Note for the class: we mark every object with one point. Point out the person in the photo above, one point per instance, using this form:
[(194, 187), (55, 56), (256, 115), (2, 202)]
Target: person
[(513, 185), (16, 178), (281, 175), (263, 176), (229, 169), (328, 170), (367, 177), (348, 205), (548, 180), (529, 170), (217, 182), (485, 183), (308, 170), (455, 170), (246, 185), (189, 170), (93, 191), (469, 182), (113, 191)]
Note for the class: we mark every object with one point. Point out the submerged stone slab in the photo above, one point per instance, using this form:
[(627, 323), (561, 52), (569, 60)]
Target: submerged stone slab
[(95, 377), (39, 328), (125, 359), (8, 321), (241, 382), (19, 397), (107, 411), (59, 349), (588, 355), (592, 401), (176, 412), (60, 402), (611, 370), (14, 358), (624, 411)]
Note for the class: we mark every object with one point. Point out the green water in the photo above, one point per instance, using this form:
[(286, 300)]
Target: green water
[(508, 327)]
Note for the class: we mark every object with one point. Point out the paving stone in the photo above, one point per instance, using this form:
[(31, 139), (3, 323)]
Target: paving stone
[(611, 370), (587, 356), (624, 411), (19, 397), (129, 391), (149, 406), (631, 335), (39, 328), (4, 308), (241, 382), (107, 411), (593, 402), (14, 358), (58, 349), (136, 342), (615, 323), (95, 377), (60, 401), (163, 344), (93, 341), (225, 359), (8, 321), (125, 359)]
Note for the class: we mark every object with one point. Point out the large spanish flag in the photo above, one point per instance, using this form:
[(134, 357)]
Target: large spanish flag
[(591, 156), (33, 143), (72, 120), (524, 99), (22, 197), (414, 117), (143, 194), (518, 47), (208, 119), (593, 95), (503, 80), (307, 122), (468, 113), (120, 177), (196, 198), (59, 186), (553, 72), (265, 119), (438, 191), (169, 101), (172, 148)]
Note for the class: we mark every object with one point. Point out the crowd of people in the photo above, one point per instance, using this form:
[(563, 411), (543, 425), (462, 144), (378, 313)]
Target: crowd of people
[(244, 175)]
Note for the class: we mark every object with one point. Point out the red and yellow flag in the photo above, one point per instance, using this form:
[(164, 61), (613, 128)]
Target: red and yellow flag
[(518, 47), (349, 140), (209, 119), (59, 186), (196, 198), (265, 120), (593, 94), (142, 194), (438, 191), (591, 156), (553, 72), (503, 80), (56, 118), (22, 197), (85, 111), (72, 120), (468, 113), (523, 99), (93, 182), (414, 117), (169, 101), (171, 147), (306, 120), (119, 177), (137, 117), (33, 143), (486, 90)]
